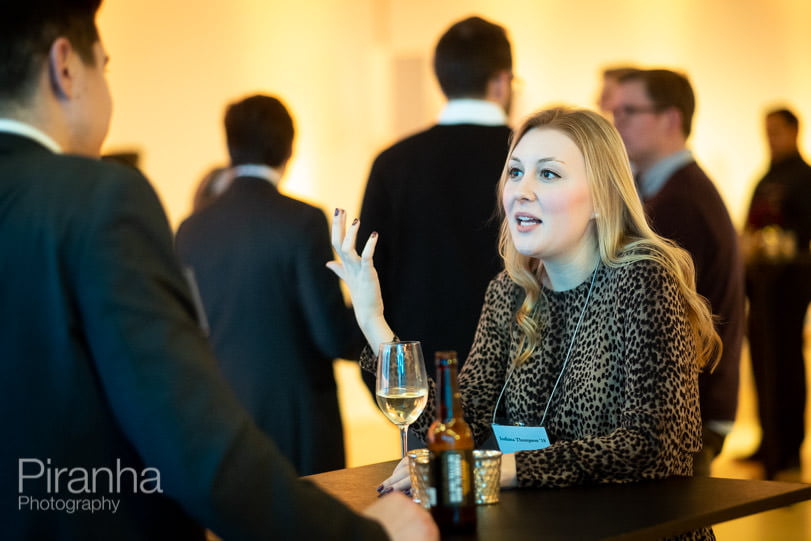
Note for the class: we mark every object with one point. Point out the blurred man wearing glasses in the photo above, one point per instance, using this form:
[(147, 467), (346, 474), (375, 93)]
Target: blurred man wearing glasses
[(653, 111)]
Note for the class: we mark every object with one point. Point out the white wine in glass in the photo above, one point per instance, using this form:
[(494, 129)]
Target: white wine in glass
[(402, 386)]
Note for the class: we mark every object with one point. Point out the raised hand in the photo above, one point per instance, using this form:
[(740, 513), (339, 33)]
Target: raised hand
[(360, 276)]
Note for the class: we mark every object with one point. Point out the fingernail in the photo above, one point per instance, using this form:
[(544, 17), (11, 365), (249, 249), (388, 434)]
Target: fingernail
[(380, 488), (374, 234), (355, 221), (407, 492), (388, 490), (337, 211)]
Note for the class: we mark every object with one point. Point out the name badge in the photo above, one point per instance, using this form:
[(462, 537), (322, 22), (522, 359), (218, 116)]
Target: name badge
[(520, 438)]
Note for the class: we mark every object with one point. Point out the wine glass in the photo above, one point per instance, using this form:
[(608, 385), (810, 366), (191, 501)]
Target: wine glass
[(402, 386)]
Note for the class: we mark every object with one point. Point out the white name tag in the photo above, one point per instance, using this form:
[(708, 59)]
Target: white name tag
[(520, 438)]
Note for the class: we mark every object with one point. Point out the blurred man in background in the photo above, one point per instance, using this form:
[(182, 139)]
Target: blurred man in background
[(276, 314), (653, 111), (778, 283)]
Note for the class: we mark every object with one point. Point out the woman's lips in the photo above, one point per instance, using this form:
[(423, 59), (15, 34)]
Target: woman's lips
[(526, 222)]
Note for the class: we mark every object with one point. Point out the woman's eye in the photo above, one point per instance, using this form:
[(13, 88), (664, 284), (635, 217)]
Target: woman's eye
[(548, 174), (514, 173)]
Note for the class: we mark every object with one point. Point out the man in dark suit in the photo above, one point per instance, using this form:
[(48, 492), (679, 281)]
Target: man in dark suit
[(118, 424), (276, 313), (432, 196), (653, 111)]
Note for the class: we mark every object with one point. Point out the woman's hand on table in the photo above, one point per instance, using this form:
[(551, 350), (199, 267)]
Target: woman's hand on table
[(399, 479)]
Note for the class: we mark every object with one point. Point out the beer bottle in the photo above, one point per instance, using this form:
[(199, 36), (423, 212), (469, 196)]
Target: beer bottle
[(451, 443)]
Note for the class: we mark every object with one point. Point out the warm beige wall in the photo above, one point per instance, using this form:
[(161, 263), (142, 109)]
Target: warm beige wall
[(356, 75)]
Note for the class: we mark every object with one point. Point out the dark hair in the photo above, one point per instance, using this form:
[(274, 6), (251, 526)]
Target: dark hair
[(618, 72), (27, 31), (788, 117), (667, 89), (468, 55), (259, 130)]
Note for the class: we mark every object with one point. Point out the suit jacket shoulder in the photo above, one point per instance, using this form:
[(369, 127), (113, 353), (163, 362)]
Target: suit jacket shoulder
[(103, 326)]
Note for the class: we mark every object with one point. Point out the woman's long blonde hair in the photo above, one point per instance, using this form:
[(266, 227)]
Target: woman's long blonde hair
[(623, 234)]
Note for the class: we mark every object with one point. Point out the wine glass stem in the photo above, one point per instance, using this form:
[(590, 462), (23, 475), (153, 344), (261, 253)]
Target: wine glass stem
[(404, 438)]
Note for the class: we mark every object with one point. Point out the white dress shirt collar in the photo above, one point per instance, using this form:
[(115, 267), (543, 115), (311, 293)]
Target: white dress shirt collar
[(257, 170), (16, 127), (472, 111)]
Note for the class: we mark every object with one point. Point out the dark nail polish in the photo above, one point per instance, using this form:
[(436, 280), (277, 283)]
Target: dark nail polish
[(380, 488), (355, 221), (407, 492), (388, 490), (374, 234), (337, 211)]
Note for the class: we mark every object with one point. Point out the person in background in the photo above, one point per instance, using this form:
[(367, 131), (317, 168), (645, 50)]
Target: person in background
[(778, 283), (277, 317), (430, 196), (104, 365), (593, 331), (653, 111)]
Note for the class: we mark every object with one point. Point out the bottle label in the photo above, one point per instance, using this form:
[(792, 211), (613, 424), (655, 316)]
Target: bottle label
[(453, 477)]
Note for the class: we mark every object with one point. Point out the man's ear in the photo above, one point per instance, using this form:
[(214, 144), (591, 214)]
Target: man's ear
[(62, 74), (499, 87), (673, 116)]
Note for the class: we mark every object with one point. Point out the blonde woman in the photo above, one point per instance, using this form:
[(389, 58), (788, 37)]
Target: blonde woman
[(593, 331)]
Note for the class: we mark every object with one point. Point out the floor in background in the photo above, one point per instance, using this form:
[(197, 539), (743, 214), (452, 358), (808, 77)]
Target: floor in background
[(371, 438)]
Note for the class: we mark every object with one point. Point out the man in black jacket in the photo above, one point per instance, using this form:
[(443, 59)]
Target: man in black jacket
[(276, 313), (432, 197), (118, 423)]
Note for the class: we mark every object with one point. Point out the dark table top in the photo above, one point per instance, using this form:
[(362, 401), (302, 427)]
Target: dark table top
[(644, 510)]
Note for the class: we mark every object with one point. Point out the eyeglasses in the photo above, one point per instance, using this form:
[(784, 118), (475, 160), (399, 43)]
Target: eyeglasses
[(631, 110)]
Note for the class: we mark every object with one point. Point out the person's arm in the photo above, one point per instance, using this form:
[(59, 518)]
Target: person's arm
[(484, 373), (658, 425), (164, 388), (480, 381)]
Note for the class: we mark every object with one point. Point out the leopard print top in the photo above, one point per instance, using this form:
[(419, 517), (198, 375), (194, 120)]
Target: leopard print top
[(626, 407)]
